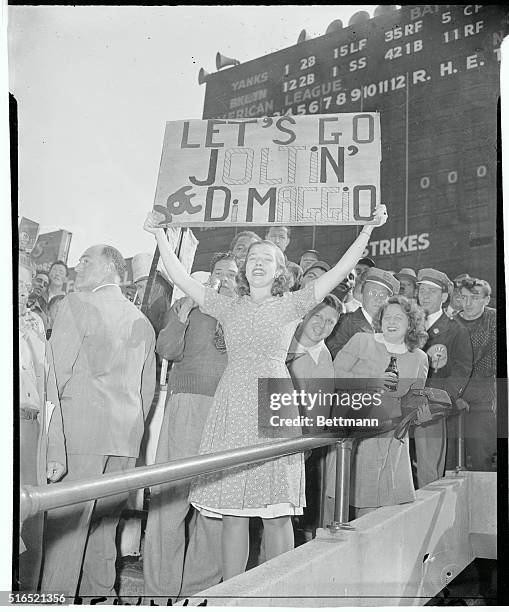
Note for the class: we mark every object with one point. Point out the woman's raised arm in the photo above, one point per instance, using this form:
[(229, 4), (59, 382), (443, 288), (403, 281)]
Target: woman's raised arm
[(328, 281), (176, 271)]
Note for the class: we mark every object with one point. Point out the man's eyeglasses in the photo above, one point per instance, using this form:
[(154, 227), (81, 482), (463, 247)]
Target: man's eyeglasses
[(377, 294)]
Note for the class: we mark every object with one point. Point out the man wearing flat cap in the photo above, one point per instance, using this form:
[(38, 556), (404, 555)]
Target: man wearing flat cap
[(378, 286), (308, 258), (407, 283), (450, 358), (314, 271)]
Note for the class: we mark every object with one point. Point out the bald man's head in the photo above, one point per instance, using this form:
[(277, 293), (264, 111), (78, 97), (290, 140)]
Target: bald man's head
[(99, 265)]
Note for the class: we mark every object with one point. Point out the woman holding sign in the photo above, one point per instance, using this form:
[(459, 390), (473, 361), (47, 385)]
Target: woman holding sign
[(258, 334)]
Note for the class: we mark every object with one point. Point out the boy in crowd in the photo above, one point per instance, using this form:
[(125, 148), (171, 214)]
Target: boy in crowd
[(57, 279), (240, 244), (479, 397)]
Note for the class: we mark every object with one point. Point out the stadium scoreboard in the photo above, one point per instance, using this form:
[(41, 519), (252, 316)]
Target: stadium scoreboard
[(433, 73)]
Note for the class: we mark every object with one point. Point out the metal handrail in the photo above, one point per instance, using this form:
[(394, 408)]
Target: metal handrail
[(46, 497), (39, 499)]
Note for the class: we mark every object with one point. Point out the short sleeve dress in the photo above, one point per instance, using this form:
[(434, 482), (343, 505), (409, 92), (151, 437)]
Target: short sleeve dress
[(257, 339)]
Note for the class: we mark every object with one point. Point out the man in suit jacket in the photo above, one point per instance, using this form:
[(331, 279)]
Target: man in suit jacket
[(378, 286), (450, 354), (105, 370)]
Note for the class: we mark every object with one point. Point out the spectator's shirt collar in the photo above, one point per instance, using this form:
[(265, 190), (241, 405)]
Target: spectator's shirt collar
[(50, 294), (314, 351), (352, 305), (105, 285), (433, 318), (398, 349)]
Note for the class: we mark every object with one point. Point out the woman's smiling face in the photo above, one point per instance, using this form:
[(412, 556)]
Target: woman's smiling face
[(261, 265), (394, 324)]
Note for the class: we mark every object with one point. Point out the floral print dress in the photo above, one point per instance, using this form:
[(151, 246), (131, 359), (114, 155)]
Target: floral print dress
[(257, 339)]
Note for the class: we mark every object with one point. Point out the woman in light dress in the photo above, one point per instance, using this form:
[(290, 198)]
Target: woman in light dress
[(258, 327)]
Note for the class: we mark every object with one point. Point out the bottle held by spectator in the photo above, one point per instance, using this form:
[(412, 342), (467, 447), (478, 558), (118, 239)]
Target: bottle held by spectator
[(392, 375)]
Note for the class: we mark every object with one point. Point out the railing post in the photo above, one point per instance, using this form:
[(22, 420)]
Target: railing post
[(342, 492), (460, 443), (321, 509)]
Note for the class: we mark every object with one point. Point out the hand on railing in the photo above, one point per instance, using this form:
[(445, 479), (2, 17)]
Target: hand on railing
[(54, 471)]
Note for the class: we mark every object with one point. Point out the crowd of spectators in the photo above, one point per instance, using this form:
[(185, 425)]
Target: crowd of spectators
[(88, 395)]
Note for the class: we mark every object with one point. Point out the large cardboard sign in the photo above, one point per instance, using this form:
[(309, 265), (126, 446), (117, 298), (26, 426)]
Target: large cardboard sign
[(50, 247), (28, 231), (293, 170)]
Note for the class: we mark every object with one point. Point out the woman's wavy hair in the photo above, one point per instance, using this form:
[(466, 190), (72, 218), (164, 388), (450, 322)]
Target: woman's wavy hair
[(282, 282), (296, 272), (416, 334)]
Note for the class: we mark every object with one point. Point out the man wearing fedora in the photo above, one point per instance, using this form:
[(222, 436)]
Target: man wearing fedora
[(407, 283), (308, 258), (450, 358), (378, 286)]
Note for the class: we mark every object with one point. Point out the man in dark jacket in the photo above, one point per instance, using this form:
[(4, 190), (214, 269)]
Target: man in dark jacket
[(378, 286), (479, 398), (450, 354)]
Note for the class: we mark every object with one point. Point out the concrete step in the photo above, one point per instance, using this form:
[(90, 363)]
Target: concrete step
[(130, 581)]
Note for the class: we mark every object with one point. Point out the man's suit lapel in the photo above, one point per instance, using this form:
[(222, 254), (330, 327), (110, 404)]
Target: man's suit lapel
[(438, 328), (362, 321)]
